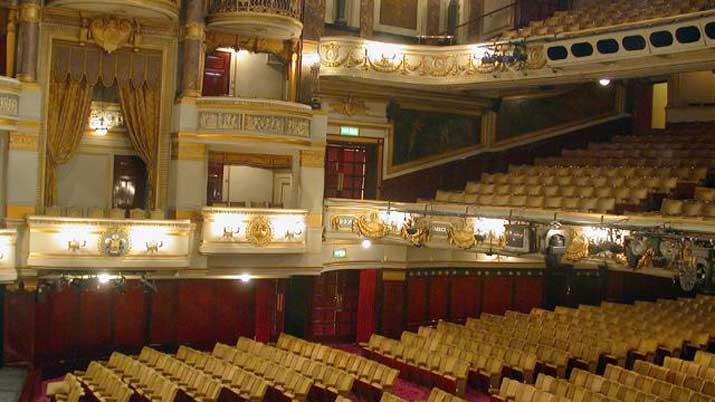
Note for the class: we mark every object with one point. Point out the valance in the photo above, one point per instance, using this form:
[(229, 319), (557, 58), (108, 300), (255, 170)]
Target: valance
[(124, 66)]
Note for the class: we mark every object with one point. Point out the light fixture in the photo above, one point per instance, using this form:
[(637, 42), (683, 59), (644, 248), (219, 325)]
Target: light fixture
[(245, 278), (104, 278), (604, 82), (366, 244)]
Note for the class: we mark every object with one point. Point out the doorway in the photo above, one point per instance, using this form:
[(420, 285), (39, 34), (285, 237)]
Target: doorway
[(352, 170)]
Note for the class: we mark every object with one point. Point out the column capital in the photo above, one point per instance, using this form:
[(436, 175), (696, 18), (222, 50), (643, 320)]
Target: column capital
[(195, 31), (29, 12)]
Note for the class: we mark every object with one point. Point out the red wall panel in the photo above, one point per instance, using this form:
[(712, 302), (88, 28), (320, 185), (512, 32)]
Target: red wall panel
[(265, 309), (438, 299), (417, 301), (162, 327), (465, 297), (95, 321), (528, 293), (392, 314), (497, 294), (130, 316), (18, 327), (64, 323), (366, 313), (197, 303), (246, 298)]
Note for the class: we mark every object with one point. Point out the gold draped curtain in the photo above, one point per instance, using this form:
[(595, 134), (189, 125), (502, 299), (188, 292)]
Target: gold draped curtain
[(140, 107), (68, 113)]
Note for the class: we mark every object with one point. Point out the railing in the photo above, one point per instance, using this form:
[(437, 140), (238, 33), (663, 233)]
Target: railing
[(288, 8)]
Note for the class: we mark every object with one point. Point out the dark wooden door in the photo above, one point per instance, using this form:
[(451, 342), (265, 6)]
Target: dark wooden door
[(129, 190), (351, 171), (334, 307), (217, 74)]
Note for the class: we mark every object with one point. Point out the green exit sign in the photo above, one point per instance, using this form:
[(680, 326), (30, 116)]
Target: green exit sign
[(349, 131), (340, 253)]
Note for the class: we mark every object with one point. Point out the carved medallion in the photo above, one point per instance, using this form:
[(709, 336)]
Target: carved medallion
[(114, 242), (111, 33), (461, 237), (259, 231)]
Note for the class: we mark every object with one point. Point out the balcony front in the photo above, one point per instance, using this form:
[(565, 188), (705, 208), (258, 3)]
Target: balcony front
[(228, 230), (272, 19), (167, 10), (71, 243)]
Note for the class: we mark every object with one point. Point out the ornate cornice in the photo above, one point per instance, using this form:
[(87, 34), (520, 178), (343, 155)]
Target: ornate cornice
[(23, 142)]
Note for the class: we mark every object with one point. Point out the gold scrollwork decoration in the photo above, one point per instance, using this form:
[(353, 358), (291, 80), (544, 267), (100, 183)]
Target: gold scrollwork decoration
[(111, 33), (371, 226), (535, 57), (259, 231), (462, 237)]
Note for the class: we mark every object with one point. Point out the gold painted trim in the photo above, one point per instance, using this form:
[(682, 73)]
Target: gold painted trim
[(8, 122), (314, 221), (243, 137), (187, 214), (19, 211), (188, 151), (394, 276), (23, 142), (538, 134), (312, 159)]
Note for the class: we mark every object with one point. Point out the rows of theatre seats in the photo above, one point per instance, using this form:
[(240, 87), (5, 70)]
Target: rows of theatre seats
[(101, 213), (601, 14), (71, 390), (523, 346), (703, 205), (371, 379), (629, 174), (251, 371)]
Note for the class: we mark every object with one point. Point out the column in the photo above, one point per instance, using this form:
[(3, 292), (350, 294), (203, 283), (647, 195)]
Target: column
[(193, 49), (11, 43), (367, 15), (294, 70), (28, 35)]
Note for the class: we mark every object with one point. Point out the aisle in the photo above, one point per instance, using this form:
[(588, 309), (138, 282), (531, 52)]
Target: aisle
[(11, 382)]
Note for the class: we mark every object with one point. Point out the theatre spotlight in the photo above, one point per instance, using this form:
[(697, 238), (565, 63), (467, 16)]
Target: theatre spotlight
[(556, 243), (604, 82)]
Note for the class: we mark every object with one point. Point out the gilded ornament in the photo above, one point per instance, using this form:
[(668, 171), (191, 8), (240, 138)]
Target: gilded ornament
[(414, 232), (310, 158), (577, 249), (350, 106), (111, 33), (114, 242), (29, 12), (370, 226), (259, 231), (646, 259), (194, 31), (535, 57), (462, 237)]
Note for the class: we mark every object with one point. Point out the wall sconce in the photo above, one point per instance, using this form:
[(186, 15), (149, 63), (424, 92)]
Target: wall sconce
[(229, 232), (76, 245), (153, 246)]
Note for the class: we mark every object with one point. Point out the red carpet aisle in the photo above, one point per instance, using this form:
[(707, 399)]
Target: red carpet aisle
[(411, 391)]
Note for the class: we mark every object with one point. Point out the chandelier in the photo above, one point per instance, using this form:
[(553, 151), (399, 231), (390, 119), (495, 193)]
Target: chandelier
[(102, 120)]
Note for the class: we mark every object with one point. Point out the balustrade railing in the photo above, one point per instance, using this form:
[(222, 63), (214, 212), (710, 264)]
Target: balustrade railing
[(288, 8)]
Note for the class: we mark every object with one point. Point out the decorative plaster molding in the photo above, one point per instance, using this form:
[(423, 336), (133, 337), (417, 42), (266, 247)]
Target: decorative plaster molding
[(23, 142), (314, 159)]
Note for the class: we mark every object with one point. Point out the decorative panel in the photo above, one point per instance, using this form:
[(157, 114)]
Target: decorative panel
[(253, 231), (528, 293), (417, 287), (399, 13), (392, 314), (438, 297), (108, 243), (465, 297), (497, 294)]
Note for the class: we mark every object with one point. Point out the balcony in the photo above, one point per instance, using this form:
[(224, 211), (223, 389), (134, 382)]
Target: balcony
[(254, 119), (167, 10), (253, 231), (272, 19), (668, 46), (59, 242)]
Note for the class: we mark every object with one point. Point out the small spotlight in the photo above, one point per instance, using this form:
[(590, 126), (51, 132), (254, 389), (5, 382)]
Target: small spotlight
[(366, 244), (104, 278), (244, 278), (604, 82)]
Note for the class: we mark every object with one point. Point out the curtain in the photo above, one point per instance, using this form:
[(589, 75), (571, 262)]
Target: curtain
[(68, 112), (366, 313), (140, 107)]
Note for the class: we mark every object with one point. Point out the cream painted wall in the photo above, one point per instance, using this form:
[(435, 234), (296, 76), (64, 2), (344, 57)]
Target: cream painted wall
[(22, 176), (691, 97), (255, 78), (245, 183), (697, 87), (85, 181)]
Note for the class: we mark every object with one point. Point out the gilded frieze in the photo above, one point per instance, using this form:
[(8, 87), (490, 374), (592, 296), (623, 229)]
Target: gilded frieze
[(9, 104), (261, 123)]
